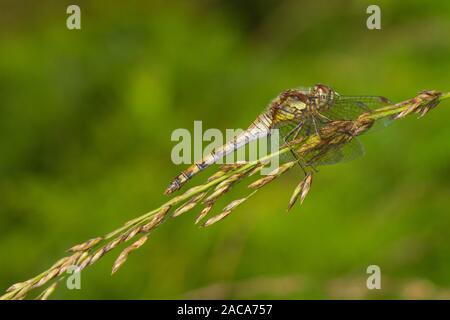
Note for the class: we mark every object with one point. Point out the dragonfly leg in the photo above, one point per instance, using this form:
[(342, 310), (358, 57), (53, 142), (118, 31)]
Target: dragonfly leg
[(311, 163), (300, 160), (313, 167), (296, 132), (302, 163), (313, 118), (323, 119)]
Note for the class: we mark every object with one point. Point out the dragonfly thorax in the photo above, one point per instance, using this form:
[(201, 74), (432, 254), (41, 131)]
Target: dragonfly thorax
[(301, 104)]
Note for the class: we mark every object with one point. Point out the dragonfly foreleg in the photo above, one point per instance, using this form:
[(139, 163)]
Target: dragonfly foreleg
[(297, 132)]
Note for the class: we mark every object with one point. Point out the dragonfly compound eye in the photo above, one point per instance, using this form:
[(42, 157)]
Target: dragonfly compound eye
[(323, 94)]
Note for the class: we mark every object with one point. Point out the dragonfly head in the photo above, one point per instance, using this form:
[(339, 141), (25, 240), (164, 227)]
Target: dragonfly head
[(323, 95)]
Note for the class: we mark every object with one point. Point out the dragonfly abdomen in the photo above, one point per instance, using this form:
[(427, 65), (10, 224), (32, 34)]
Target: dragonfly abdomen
[(259, 128)]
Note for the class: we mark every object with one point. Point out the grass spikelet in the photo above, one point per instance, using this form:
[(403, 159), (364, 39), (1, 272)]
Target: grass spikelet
[(233, 204), (227, 210), (156, 220), (124, 254), (47, 292), (232, 166), (228, 182), (22, 292), (306, 187), (301, 191), (216, 194), (85, 256), (17, 286), (272, 175), (95, 257), (189, 205), (224, 170), (261, 182), (185, 208), (295, 195), (133, 233), (216, 218), (85, 245), (257, 168), (216, 175), (204, 212), (422, 104), (50, 275)]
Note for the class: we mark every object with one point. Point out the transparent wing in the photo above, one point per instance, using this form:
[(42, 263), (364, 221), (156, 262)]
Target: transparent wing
[(350, 107), (289, 130), (348, 152), (347, 107), (344, 153)]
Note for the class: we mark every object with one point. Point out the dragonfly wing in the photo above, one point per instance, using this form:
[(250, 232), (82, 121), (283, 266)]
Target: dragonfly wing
[(371, 102), (344, 153), (348, 152), (288, 131), (350, 107)]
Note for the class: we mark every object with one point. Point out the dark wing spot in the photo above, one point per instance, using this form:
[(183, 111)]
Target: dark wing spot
[(385, 100)]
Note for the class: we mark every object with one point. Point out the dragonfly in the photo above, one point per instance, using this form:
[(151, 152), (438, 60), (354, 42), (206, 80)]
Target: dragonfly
[(295, 113)]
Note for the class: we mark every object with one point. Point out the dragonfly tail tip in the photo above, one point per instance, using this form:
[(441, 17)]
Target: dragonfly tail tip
[(174, 186), (168, 191)]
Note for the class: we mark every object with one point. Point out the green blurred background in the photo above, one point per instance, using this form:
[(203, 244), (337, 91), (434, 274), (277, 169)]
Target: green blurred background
[(85, 124)]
